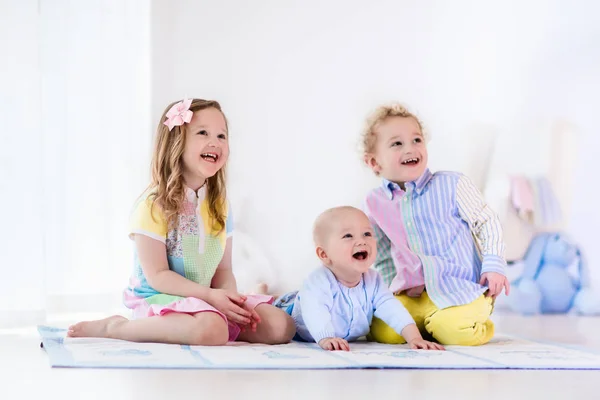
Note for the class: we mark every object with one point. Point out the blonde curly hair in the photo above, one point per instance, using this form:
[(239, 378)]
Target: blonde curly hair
[(377, 117), (167, 188)]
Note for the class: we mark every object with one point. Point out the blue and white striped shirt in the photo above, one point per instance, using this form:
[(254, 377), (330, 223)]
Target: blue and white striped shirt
[(438, 232)]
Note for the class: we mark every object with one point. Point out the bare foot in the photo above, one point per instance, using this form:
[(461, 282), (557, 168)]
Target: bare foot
[(261, 288), (99, 328)]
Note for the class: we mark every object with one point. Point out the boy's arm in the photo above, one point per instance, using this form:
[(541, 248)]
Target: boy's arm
[(316, 302), (484, 224), (383, 261), (387, 308)]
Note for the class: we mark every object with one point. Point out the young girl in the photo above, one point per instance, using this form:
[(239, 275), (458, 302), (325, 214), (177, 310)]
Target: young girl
[(439, 245), (182, 289)]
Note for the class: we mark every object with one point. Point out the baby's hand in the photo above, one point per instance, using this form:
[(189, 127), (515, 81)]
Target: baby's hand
[(415, 291), (425, 345), (495, 283), (334, 344)]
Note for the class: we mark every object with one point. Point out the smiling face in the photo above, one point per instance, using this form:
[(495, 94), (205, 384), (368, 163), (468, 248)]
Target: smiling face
[(206, 146), (345, 243), (400, 153)]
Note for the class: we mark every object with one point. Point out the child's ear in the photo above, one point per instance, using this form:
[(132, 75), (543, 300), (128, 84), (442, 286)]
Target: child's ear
[(372, 163), (323, 256)]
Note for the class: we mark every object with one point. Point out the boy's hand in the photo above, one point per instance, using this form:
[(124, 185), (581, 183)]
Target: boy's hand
[(415, 291), (425, 345), (495, 283), (332, 343)]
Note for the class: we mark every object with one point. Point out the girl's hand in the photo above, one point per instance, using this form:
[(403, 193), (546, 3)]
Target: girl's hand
[(254, 319), (333, 343), (425, 345), (231, 304)]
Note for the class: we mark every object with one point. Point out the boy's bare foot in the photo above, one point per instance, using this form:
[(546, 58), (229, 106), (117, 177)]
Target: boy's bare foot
[(99, 328)]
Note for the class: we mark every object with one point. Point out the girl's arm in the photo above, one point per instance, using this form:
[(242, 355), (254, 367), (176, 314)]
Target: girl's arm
[(225, 280), (153, 258), (223, 277)]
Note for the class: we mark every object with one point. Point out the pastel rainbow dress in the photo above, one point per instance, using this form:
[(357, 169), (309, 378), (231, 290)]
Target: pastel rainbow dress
[(194, 251)]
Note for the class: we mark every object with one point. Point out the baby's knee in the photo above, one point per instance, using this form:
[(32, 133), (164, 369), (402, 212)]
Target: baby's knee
[(210, 330)]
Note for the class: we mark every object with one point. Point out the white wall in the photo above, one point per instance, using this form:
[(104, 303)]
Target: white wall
[(74, 108), (296, 80), (20, 163)]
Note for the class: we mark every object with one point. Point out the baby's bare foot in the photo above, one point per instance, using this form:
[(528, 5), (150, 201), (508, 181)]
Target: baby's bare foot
[(99, 328)]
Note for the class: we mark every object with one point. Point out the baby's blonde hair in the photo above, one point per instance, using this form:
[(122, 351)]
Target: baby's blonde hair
[(378, 116)]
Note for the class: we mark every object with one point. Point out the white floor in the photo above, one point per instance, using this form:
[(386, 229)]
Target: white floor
[(24, 374)]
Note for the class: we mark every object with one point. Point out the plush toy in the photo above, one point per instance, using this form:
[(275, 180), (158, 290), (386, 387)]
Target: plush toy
[(253, 271), (553, 279)]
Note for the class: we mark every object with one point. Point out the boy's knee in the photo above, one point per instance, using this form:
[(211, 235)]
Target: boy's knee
[(382, 333), (447, 330), (210, 330)]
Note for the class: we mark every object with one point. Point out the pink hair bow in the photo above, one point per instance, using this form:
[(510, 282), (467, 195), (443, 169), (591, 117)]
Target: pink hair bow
[(179, 114)]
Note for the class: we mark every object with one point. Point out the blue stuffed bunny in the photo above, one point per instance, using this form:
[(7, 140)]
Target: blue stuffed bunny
[(554, 279)]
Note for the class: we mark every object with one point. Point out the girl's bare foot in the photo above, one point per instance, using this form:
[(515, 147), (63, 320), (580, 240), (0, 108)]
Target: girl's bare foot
[(99, 328)]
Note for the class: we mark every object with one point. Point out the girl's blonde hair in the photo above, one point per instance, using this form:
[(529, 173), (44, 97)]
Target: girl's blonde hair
[(167, 189), (377, 117)]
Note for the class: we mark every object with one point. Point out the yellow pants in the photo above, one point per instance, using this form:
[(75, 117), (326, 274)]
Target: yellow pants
[(466, 325)]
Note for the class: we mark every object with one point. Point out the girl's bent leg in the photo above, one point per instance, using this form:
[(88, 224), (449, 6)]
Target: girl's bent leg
[(204, 328), (275, 327)]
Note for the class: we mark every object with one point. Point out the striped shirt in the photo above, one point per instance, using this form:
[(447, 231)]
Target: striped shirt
[(439, 232)]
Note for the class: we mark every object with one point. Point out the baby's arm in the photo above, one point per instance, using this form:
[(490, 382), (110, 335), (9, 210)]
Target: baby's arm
[(316, 303), (487, 230), (392, 312)]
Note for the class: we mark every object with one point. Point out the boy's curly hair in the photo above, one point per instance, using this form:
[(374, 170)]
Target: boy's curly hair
[(379, 115)]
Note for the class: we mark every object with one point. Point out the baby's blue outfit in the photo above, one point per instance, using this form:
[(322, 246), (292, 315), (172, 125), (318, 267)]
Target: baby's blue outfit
[(326, 308)]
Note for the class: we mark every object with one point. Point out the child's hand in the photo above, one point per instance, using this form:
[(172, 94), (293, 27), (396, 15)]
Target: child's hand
[(415, 291), (332, 343), (231, 304), (495, 283), (413, 337), (425, 345), (254, 319)]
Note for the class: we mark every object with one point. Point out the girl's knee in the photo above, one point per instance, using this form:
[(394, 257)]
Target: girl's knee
[(278, 328), (210, 329), (282, 327)]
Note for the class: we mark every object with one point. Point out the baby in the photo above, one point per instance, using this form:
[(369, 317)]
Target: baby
[(338, 301)]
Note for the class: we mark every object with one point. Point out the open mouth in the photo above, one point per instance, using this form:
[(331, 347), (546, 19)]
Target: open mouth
[(411, 161), (210, 157), (361, 255)]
